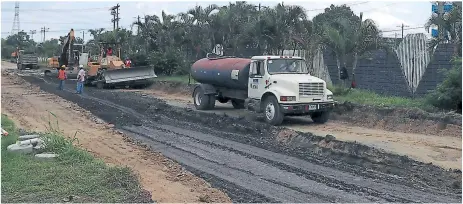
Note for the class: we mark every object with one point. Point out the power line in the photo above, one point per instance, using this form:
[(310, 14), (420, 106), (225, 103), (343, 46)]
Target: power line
[(58, 23), (61, 10), (81, 29), (387, 31), (380, 7), (322, 9)]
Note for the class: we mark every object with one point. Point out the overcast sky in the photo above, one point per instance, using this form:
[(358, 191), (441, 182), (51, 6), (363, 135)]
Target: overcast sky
[(61, 16)]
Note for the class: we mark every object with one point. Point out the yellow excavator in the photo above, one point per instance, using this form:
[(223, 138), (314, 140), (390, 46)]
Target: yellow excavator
[(110, 70)]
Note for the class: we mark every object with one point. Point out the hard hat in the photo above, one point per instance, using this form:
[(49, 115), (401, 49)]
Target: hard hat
[(63, 66), (81, 66)]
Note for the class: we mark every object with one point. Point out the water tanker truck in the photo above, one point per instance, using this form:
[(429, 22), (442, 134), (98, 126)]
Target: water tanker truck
[(276, 86)]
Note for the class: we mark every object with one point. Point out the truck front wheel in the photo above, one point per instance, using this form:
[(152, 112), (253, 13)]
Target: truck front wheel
[(273, 114), (320, 117)]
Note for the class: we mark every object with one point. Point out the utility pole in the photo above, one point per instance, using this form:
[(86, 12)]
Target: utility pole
[(32, 32), (259, 8), (83, 41), (44, 30), (138, 26), (138, 18), (117, 16), (440, 13), (115, 13), (402, 27)]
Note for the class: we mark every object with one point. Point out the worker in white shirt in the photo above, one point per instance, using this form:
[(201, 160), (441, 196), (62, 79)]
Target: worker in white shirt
[(80, 79)]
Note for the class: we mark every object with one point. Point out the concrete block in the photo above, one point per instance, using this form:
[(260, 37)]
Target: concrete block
[(24, 149), (46, 156), (27, 137)]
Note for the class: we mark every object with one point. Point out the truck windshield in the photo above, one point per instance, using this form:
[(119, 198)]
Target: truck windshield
[(287, 66)]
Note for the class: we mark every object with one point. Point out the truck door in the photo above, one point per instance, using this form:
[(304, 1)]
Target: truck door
[(256, 79)]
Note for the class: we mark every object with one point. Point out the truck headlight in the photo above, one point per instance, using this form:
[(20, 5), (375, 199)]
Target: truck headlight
[(329, 97), (287, 98)]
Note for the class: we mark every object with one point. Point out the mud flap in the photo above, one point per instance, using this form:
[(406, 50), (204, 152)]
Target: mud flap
[(129, 74)]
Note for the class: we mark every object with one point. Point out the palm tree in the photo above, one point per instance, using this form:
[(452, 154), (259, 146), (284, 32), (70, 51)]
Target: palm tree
[(366, 38), (336, 36)]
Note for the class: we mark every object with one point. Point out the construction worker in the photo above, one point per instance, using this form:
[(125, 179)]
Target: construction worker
[(62, 77), (80, 79), (128, 62), (109, 52)]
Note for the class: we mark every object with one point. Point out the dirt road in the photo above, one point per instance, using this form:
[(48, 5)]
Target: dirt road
[(254, 162), (33, 109), (440, 147)]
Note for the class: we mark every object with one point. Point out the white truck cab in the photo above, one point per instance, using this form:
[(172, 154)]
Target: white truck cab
[(282, 85)]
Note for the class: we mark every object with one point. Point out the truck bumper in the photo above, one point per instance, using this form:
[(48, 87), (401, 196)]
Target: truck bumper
[(306, 109)]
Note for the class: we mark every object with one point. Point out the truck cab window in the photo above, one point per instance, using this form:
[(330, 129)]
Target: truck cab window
[(260, 68), (259, 65), (287, 66)]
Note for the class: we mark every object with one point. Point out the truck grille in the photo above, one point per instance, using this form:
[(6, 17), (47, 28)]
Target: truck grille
[(310, 89)]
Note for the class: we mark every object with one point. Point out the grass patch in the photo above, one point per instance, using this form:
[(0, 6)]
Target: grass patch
[(74, 174), (370, 98), (180, 78)]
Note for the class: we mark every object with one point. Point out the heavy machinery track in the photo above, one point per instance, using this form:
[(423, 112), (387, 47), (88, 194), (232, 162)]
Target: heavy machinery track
[(245, 159)]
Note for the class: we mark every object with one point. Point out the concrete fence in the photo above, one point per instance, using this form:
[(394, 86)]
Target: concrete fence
[(411, 70)]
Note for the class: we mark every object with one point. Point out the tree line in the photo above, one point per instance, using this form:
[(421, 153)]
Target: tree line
[(171, 43)]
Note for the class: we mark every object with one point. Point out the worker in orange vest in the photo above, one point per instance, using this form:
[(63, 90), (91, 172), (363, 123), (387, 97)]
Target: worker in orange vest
[(128, 62), (62, 77)]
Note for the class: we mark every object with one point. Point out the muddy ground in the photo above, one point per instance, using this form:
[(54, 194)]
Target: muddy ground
[(427, 137), (254, 162)]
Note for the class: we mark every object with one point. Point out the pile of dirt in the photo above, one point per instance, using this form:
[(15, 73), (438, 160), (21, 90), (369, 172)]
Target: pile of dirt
[(170, 87), (399, 119)]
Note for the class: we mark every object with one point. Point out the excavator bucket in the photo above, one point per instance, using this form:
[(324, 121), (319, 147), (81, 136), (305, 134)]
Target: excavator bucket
[(129, 74)]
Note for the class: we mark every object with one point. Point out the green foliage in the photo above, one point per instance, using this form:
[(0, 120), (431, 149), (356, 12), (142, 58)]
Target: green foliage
[(168, 63), (359, 96), (448, 95), (75, 173), (139, 59)]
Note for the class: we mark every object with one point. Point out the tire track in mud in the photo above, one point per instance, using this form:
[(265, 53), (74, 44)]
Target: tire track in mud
[(275, 173)]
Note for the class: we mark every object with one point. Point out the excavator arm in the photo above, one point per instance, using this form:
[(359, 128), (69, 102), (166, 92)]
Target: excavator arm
[(66, 50)]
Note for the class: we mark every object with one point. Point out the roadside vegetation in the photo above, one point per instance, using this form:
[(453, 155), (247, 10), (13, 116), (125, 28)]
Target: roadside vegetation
[(75, 176), (366, 97), (447, 96)]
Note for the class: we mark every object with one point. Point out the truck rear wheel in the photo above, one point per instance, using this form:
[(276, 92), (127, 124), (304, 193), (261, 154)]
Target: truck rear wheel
[(320, 117), (238, 104), (272, 113), (202, 101)]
